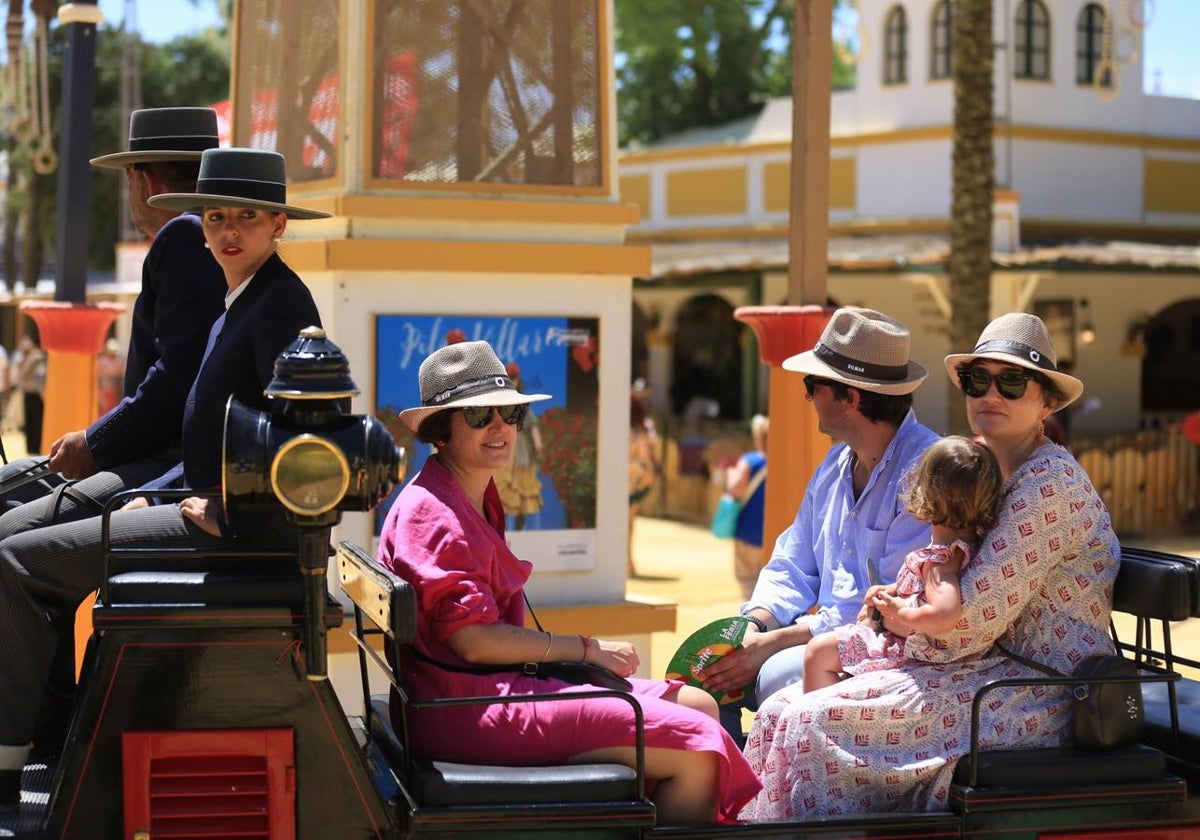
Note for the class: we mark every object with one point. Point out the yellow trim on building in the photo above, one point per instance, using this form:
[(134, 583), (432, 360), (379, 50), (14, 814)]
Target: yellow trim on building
[(712, 191), (777, 186), (635, 189), (843, 184), (1122, 139), (1171, 186), (467, 209), (456, 256), (778, 231)]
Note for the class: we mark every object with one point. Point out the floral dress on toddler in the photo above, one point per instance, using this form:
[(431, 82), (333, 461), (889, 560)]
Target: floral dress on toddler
[(862, 647)]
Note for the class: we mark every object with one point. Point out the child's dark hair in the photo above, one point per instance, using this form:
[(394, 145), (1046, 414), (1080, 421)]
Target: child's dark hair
[(957, 484)]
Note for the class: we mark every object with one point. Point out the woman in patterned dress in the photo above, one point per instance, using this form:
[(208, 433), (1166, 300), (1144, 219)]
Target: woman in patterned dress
[(955, 488), (1042, 580)]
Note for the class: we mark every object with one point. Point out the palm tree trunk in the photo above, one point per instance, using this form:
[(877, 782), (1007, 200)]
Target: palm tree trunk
[(969, 265)]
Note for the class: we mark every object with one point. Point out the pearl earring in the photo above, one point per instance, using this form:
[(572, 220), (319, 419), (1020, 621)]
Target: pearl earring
[(206, 247)]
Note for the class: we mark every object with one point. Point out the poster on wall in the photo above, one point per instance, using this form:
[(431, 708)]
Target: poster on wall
[(549, 486)]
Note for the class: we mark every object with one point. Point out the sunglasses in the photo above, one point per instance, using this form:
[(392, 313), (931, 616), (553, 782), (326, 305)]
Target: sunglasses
[(480, 416), (1010, 384), (811, 383)]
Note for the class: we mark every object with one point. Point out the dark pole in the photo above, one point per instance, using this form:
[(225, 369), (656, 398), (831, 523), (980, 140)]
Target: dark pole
[(74, 176)]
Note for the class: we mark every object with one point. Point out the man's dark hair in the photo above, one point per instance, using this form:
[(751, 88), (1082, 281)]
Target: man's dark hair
[(176, 175), (884, 408)]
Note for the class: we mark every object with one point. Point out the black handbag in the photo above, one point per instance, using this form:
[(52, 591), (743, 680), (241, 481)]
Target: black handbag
[(1103, 714)]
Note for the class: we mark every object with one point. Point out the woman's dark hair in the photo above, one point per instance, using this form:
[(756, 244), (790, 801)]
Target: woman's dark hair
[(435, 429), (957, 484)]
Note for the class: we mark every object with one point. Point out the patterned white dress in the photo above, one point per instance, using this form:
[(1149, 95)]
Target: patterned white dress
[(889, 740), (862, 648)]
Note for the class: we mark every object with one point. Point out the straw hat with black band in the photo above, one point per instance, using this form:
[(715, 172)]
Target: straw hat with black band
[(1021, 339), (864, 349), (464, 374), (251, 178), (165, 135)]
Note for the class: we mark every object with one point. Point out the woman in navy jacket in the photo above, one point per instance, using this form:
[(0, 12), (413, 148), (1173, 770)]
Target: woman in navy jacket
[(242, 197)]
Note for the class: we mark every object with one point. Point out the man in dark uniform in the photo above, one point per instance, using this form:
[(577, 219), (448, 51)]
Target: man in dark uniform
[(183, 292)]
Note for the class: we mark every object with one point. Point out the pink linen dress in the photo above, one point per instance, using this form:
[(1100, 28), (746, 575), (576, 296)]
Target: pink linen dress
[(862, 648), (889, 740), (464, 573)]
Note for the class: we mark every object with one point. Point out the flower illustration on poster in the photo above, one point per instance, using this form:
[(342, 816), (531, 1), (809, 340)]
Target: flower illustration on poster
[(549, 486)]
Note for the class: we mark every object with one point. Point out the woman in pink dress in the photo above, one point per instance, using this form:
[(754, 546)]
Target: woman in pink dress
[(445, 536), (1041, 581), (955, 488)]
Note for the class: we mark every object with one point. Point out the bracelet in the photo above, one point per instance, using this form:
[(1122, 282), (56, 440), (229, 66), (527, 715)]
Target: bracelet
[(549, 645), (756, 621), (587, 644)]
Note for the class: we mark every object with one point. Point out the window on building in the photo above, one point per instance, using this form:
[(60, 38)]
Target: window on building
[(1031, 41), (1092, 47), (895, 47), (941, 37)]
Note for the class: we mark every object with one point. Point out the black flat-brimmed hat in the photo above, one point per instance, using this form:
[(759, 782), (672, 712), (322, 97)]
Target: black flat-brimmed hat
[(253, 178), (165, 134), (463, 374), (865, 349), (1021, 339)]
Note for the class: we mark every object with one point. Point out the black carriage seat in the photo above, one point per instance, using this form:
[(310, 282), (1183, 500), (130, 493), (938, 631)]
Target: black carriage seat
[(149, 586), (1151, 586), (445, 794), (1166, 589)]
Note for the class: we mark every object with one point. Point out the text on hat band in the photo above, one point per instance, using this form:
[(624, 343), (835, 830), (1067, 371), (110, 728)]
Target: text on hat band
[(471, 387), (883, 373)]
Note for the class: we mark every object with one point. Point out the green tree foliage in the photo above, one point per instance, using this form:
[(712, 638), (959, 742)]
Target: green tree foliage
[(189, 70), (698, 63)]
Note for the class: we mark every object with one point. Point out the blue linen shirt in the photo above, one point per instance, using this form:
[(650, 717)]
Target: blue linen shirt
[(823, 558)]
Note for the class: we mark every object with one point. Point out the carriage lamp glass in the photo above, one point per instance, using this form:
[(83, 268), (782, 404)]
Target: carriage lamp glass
[(310, 475)]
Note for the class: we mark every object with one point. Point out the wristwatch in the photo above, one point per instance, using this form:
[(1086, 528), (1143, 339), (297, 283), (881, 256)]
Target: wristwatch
[(756, 621)]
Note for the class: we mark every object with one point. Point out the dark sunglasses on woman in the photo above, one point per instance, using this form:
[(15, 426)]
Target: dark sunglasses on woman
[(1010, 384), (479, 416)]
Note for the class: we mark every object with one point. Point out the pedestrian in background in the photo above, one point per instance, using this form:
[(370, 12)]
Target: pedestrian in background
[(31, 380), (746, 482)]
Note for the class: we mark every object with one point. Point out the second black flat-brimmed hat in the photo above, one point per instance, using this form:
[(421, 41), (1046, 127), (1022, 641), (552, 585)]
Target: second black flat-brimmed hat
[(253, 178), (165, 134)]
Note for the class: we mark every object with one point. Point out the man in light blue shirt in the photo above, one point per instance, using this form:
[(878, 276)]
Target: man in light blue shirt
[(852, 529)]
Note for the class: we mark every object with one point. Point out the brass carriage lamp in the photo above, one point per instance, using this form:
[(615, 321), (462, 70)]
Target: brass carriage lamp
[(312, 457)]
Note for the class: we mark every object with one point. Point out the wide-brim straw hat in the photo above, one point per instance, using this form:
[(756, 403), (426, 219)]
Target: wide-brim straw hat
[(865, 349), (252, 178), (165, 134), (1020, 339), (463, 374)]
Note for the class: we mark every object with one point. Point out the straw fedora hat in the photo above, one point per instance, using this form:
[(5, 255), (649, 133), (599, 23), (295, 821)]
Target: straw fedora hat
[(864, 349), (165, 134), (253, 178), (1020, 339), (463, 374)]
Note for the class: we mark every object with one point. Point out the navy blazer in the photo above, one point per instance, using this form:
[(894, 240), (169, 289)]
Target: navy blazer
[(183, 292), (240, 361)]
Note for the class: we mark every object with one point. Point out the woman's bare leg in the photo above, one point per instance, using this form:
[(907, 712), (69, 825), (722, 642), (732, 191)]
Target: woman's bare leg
[(696, 698), (685, 789)]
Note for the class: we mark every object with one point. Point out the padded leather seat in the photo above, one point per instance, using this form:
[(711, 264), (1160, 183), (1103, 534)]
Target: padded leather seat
[(1158, 718), (1064, 767), (444, 783)]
